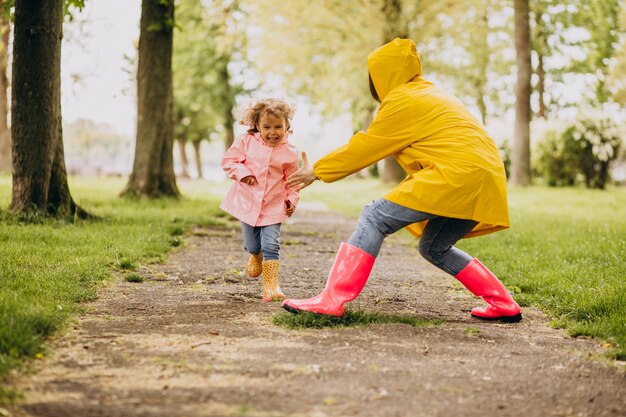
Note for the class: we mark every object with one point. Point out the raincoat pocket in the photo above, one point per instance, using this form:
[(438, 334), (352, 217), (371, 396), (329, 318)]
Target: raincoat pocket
[(242, 198)]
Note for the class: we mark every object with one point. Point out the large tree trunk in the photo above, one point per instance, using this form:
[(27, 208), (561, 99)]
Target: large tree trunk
[(5, 133), (198, 156), (183, 157), (395, 27), (153, 168), (39, 176), (60, 201), (520, 162)]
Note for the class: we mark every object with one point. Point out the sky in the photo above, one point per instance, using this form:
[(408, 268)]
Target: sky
[(92, 68)]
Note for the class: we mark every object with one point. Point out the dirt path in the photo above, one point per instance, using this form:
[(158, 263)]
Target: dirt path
[(195, 340)]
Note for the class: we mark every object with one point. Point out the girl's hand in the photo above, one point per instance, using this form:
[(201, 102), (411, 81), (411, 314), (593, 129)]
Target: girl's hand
[(303, 177), (250, 180), (289, 208)]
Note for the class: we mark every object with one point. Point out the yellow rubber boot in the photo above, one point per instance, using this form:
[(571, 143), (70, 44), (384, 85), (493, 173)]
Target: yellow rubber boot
[(255, 267), (271, 287)]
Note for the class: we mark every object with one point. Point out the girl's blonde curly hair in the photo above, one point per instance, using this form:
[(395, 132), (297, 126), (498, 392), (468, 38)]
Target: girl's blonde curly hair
[(251, 115)]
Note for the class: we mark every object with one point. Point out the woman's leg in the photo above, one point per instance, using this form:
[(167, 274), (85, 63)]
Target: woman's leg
[(381, 219), (355, 259), (436, 244)]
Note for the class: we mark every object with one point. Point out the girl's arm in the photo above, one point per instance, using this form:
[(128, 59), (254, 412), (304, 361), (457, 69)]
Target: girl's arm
[(233, 160)]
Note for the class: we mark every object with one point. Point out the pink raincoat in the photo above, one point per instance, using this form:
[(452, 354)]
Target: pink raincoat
[(264, 203)]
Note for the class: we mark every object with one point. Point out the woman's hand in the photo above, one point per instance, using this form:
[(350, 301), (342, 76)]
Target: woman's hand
[(289, 208), (303, 177), (250, 180)]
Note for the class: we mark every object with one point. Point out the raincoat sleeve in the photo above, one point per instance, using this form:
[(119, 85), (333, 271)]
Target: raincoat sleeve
[(292, 192), (234, 159), (393, 129)]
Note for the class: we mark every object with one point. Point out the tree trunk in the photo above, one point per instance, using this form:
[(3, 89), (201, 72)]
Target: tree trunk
[(230, 132), (228, 99), (395, 27), (60, 201), (5, 133), (482, 63), (541, 86), (198, 156), (540, 49), (153, 168), (520, 161), (183, 157)]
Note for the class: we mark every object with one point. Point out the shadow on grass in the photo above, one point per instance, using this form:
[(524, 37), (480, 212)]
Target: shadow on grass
[(305, 320)]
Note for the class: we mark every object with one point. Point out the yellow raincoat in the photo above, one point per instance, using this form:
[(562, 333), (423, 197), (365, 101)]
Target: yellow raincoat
[(453, 166)]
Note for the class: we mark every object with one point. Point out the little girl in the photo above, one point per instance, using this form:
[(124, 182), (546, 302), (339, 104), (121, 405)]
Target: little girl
[(260, 161)]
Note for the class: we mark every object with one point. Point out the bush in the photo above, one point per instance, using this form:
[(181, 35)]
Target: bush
[(583, 152), (505, 153)]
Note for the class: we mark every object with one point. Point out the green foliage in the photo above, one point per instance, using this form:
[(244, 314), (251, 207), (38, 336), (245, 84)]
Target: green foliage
[(577, 38), (319, 49), (469, 52), (505, 153), (555, 163), (133, 278), (352, 318), (585, 149), (601, 19), (7, 7), (47, 268), (205, 45)]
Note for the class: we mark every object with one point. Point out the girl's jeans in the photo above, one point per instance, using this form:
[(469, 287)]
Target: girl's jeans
[(382, 218), (262, 238)]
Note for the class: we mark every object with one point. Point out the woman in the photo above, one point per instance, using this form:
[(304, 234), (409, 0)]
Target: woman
[(455, 187)]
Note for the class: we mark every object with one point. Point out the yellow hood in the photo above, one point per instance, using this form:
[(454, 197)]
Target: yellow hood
[(393, 65)]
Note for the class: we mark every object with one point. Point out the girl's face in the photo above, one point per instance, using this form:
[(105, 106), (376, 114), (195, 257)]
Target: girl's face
[(272, 129)]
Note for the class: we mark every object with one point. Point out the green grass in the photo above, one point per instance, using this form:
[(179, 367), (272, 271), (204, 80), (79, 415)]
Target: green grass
[(565, 252), (306, 320), (47, 269)]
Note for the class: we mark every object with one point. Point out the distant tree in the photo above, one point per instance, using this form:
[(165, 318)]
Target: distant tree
[(520, 163), (543, 28), (617, 72), (5, 132), (470, 54), (573, 41), (601, 20), (204, 91), (395, 27), (153, 168), (39, 174)]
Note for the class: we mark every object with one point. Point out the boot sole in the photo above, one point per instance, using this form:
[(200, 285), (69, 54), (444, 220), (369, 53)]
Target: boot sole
[(290, 309), (505, 319)]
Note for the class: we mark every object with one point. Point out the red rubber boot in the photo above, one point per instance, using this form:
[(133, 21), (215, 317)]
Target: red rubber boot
[(346, 280), (483, 283)]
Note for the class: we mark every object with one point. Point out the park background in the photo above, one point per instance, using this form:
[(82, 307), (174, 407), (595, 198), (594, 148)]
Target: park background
[(564, 253)]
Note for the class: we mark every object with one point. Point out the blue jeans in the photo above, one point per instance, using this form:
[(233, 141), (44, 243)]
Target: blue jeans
[(383, 218), (262, 238)]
